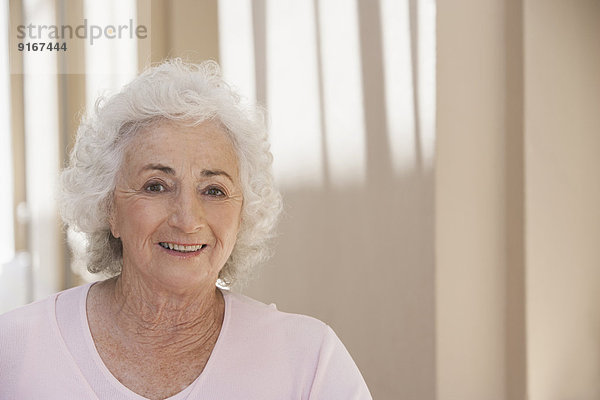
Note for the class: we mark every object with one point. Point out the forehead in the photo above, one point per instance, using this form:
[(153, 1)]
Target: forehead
[(203, 146)]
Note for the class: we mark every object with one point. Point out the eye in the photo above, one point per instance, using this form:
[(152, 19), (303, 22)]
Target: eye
[(154, 187), (214, 191)]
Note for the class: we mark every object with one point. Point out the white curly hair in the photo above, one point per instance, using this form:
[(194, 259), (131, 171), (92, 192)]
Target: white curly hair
[(183, 93)]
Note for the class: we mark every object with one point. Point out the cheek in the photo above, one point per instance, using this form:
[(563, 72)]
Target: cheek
[(225, 221), (140, 219)]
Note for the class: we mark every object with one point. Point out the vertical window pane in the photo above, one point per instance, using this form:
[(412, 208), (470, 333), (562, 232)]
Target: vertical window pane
[(110, 63), (6, 173), (236, 49), (41, 154), (342, 91), (292, 93)]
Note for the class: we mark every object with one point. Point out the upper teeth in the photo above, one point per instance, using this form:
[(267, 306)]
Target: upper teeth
[(180, 247)]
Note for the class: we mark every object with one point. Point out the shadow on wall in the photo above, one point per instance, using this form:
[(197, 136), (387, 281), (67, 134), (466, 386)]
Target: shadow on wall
[(361, 256)]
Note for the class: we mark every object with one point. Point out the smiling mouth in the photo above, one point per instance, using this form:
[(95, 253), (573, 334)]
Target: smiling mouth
[(182, 248)]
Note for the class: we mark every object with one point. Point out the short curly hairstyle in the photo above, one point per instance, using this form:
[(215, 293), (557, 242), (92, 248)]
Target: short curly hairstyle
[(183, 93)]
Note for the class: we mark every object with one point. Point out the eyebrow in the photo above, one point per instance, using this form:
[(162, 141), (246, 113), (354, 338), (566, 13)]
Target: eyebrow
[(213, 172), (159, 167), (170, 171)]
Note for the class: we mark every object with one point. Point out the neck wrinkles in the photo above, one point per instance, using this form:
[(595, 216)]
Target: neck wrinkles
[(165, 320)]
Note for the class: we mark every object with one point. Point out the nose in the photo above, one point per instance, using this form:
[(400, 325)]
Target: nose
[(188, 214)]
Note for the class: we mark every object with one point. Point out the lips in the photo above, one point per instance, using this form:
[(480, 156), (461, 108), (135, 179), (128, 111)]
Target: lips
[(182, 248)]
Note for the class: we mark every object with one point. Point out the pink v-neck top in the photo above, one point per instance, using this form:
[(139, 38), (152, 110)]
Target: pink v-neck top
[(47, 352)]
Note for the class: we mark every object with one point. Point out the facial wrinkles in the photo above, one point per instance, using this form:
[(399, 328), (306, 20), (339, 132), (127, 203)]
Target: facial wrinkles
[(212, 208), (179, 209)]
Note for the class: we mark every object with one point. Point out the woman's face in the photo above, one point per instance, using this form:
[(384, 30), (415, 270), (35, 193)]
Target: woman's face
[(177, 205)]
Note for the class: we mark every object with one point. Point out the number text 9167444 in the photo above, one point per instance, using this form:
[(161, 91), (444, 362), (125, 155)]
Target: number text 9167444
[(42, 46)]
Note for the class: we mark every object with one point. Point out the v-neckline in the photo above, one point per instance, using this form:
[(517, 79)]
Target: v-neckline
[(194, 387)]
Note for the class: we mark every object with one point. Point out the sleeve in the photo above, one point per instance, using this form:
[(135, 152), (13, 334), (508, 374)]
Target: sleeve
[(336, 375)]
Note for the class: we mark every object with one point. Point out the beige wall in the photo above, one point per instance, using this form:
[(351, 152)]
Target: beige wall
[(517, 194), (562, 100), (181, 28), (18, 137), (470, 200)]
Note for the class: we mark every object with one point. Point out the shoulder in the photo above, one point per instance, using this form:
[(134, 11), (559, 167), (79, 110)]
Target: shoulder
[(18, 322), (302, 354), (269, 336), (255, 316), (247, 306), (32, 322), (34, 361), (23, 331), (280, 349)]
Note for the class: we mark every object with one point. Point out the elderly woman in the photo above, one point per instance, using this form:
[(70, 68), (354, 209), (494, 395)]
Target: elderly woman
[(170, 180)]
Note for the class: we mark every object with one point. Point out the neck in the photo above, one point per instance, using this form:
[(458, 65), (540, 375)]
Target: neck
[(161, 319)]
